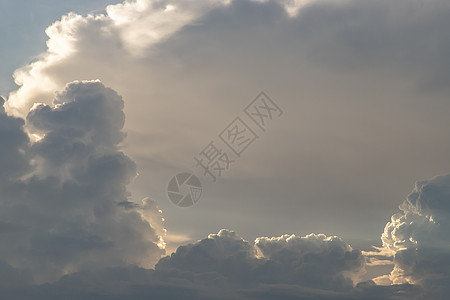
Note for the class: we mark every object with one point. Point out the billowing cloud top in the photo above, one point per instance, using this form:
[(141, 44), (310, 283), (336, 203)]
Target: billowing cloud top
[(64, 205), (313, 261), (419, 239)]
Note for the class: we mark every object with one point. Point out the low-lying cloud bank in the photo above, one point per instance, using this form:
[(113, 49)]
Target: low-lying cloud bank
[(314, 261)]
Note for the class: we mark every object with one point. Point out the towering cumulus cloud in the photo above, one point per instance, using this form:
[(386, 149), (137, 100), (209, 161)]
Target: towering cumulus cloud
[(65, 206), (419, 237)]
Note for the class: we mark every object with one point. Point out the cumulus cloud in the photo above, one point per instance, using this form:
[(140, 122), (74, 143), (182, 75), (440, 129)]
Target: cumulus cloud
[(65, 205), (314, 261), (418, 237), (127, 29)]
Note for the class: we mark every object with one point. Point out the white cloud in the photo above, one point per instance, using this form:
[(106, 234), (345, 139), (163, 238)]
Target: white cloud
[(128, 28), (143, 23)]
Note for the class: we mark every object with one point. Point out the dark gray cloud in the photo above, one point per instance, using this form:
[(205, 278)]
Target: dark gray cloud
[(225, 253), (134, 283), (402, 36), (62, 207), (315, 261), (222, 266), (14, 147)]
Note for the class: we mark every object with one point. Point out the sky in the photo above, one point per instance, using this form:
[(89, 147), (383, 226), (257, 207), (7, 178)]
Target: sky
[(337, 189)]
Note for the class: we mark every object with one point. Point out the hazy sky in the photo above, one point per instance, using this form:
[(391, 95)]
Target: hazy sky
[(111, 100)]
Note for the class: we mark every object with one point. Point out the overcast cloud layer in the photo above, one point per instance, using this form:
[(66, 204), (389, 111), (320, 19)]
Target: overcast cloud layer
[(364, 87)]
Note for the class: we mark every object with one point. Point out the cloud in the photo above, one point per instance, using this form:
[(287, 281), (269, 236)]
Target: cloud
[(334, 64), (141, 24), (65, 206), (225, 266), (13, 160), (91, 238), (127, 29), (338, 35), (76, 192), (315, 261), (418, 237)]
